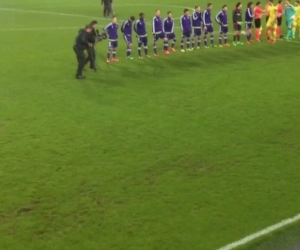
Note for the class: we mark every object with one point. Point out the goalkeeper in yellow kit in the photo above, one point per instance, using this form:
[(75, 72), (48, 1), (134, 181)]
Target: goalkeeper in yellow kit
[(297, 19), (272, 22)]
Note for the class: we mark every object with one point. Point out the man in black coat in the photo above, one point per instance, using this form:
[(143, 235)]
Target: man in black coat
[(81, 44)]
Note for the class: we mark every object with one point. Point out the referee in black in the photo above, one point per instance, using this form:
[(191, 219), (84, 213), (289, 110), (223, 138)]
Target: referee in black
[(81, 44)]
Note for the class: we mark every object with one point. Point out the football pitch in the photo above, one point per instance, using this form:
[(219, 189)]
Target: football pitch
[(190, 151)]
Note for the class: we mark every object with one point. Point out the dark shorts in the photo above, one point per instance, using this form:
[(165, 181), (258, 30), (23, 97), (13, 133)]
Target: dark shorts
[(279, 21), (209, 29), (161, 35), (257, 23), (196, 32), (143, 40), (171, 36), (223, 29), (127, 38), (186, 34), (237, 27), (248, 26), (113, 44)]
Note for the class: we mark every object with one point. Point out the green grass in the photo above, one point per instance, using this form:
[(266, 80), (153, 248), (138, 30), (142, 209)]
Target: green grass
[(191, 151)]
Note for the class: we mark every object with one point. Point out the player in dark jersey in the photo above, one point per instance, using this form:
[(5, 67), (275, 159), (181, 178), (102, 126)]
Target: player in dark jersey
[(237, 24), (249, 17)]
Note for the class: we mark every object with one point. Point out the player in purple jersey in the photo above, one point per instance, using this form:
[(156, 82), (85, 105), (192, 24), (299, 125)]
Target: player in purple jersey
[(208, 26), (141, 33), (169, 26), (126, 29), (186, 29), (196, 25), (249, 17), (158, 33), (112, 33), (222, 20)]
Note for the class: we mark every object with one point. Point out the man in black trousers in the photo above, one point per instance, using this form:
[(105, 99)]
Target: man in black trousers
[(81, 44), (107, 7), (92, 39)]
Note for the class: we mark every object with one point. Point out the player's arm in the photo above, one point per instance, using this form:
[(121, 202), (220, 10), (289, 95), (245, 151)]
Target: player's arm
[(135, 26), (173, 26), (234, 17), (203, 18), (107, 28), (218, 20), (249, 13), (123, 26), (194, 15), (153, 25), (294, 11), (181, 23)]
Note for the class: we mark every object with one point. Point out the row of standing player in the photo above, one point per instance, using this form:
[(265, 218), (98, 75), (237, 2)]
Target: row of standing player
[(191, 28)]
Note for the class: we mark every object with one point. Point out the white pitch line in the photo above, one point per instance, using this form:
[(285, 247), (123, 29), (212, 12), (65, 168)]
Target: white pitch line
[(41, 29), (83, 16), (261, 233), (48, 13), (77, 15)]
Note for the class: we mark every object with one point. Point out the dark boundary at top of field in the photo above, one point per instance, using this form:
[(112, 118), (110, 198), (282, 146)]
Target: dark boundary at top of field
[(287, 238)]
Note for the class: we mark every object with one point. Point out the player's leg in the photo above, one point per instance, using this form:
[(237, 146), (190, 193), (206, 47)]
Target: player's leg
[(289, 31), (199, 40), (278, 30), (109, 52), (257, 29), (155, 39), (294, 28), (205, 38), (188, 41), (212, 35), (234, 35), (238, 35), (193, 38), (274, 33), (225, 37), (128, 46), (166, 44), (249, 32), (145, 42), (220, 36), (114, 51), (139, 48), (173, 37), (267, 31), (182, 42)]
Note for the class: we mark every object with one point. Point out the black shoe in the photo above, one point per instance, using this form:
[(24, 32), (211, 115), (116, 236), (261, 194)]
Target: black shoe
[(80, 77)]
